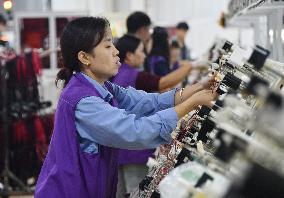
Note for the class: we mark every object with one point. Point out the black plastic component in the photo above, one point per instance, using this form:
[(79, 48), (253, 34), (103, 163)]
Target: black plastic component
[(232, 81), (220, 133), (220, 90), (218, 104), (254, 83), (227, 46), (155, 195), (203, 179), (204, 111), (230, 65), (189, 135), (259, 183), (274, 100), (207, 126), (227, 149), (258, 57), (181, 158), (193, 130), (249, 132), (145, 182)]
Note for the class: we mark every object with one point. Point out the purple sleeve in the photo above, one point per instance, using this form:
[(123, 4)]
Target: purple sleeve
[(147, 82)]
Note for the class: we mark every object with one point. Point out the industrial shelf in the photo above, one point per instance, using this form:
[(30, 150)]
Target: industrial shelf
[(251, 7)]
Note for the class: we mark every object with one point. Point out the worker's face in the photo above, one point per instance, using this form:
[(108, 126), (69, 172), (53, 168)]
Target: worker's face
[(103, 59), (144, 33), (181, 34), (137, 58)]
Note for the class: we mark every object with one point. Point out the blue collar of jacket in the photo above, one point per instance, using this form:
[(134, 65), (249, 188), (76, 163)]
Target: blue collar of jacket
[(106, 95)]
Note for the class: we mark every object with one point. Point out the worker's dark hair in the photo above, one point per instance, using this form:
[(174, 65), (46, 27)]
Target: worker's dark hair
[(160, 46), (137, 20), (82, 34), (127, 43), (182, 26)]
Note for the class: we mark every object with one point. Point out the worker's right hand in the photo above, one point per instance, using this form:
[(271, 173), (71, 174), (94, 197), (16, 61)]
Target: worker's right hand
[(208, 81), (203, 97)]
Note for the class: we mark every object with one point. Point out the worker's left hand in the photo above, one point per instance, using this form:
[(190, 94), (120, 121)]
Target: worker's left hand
[(208, 81)]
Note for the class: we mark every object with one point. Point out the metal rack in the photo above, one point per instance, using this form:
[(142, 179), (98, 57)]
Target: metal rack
[(244, 7), (266, 18), (51, 16)]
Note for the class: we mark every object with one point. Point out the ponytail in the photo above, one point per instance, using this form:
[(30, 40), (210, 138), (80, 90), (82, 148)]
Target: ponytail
[(65, 75)]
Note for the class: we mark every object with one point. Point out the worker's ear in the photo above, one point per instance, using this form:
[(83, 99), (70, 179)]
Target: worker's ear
[(84, 58), (129, 56)]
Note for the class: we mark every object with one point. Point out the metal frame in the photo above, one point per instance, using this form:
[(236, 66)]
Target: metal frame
[(51, 16), (266, 18), (276, 24), (243, 7)]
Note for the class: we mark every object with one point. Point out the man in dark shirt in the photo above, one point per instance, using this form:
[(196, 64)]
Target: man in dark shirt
[(181, 30), (138, 24)]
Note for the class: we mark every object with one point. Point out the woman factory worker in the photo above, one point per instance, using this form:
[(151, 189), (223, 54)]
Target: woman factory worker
[(95, 117)]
